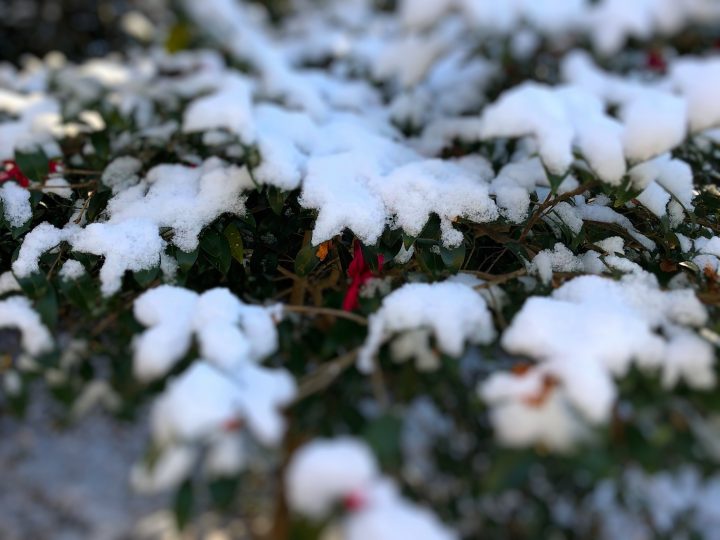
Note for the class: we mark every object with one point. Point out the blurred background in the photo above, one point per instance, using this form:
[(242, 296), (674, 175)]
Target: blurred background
[(77, 28)]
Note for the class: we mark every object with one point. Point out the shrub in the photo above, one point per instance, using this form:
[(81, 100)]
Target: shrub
[(432, 270)]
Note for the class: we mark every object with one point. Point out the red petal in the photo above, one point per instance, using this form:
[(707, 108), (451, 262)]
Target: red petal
[(354, 501), (351, 300)]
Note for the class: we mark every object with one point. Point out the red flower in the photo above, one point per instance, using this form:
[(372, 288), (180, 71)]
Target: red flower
[(359, 272), (655, 61), (55, 167), (11, 171), (354, 501)]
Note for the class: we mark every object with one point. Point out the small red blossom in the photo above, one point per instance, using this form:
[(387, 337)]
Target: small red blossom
[(359, 272), (55, 167), (11, 171), (655, 61), (233, 424), (354, 501)]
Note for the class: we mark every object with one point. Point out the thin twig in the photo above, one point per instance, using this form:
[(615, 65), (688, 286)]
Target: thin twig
[(495, 279), (83, 185), (331, 312), (84, 208), (550, 203), (325, 375)]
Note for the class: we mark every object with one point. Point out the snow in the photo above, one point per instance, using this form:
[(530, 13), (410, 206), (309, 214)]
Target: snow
[(15, 202), (224, 388), (166, 473), (664, 178), (365, 144), (598, 211), (654, 122), (36, 119), (683, 496), (606, 326), (560, 119), (71, 269), (17, 312), (559, 259), (226, 456), (182, 198), (414, 191), (42, 238), (229, 107), (522, 415), (284, 139), (8, 283), (132, 245), (205, 399), (325, 472), (121, 173), (58, 186), (703, 107), (452, 311), (230, 333)]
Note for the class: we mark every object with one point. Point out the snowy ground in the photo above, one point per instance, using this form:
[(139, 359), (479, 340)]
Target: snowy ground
[(68, 484)]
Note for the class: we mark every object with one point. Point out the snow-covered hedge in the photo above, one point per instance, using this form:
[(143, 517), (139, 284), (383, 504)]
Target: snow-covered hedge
[(419, 269)]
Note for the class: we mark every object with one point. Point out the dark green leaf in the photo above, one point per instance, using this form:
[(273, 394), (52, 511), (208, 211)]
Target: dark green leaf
[(186, 259), (453, 258), (306, 260), (35, 285), (47, 307), (235, 242), (370, 254), (383, 436), (276, 199), (33, 164), (145, 277), (183, 505)]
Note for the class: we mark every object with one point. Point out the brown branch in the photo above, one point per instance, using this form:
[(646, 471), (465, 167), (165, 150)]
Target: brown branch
[(325, 375), (550, 203), (83, 185), (495, 279), (330, 312)]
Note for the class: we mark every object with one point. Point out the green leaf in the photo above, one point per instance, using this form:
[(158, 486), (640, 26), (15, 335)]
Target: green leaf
[(82, 292), (555, 180), (17, 232), (97, 204), (186, 259), (453, 258), (33, 164), (370, 254), (183, 504), (215, 245), (431, 231), (235, 242), (101, 143), (47, 307), (145, 277), (223, 491), (408, 240), (426, 256), (35, 285), (178, 38), (383, 436), (306, 260), (276, 199)]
